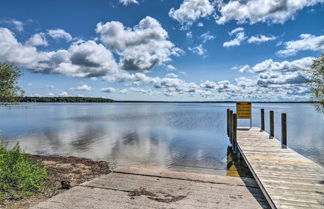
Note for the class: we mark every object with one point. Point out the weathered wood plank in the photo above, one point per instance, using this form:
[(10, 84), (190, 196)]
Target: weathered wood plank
[(287, 179)]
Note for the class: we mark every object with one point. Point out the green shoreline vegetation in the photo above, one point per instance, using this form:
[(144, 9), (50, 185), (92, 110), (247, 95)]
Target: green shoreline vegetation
[(19, 176)]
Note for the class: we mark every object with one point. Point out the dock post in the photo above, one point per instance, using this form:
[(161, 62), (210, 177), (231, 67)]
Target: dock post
[(234, 134), (228, 111), (230, 125), (284, 130), (271, 124), (262, 119)]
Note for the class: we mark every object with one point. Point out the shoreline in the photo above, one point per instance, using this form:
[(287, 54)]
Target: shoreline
[(74, 170)]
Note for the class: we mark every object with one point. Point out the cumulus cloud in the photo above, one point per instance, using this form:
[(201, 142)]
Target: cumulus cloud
[(243, 69), (269, 79), (14, 52), (108, 90), (284, 66), (127, 2), (270, 72), (141, 47), (64, 94), (191, 10), (82, 87), (137, 90), (239, 37), (305, 43), (38, 39), (207, 37), (81, 59), (60, 34), (260, 39), (199, 50), (254, 11)]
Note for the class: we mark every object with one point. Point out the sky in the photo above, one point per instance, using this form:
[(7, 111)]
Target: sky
[(175, 50)]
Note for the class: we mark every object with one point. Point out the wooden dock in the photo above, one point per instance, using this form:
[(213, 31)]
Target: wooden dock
[(287, 179)]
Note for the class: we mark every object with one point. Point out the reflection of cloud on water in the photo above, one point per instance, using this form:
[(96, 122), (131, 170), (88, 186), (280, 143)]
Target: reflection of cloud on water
[(129, 134), (101, 144)]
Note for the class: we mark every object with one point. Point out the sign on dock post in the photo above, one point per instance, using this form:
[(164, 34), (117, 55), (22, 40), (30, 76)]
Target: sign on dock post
[(244, 111)]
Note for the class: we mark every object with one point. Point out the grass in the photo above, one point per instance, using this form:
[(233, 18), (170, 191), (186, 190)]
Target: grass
[(19, 176)]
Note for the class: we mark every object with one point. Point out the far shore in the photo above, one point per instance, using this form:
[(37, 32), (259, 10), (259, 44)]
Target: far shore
[(108, 100)]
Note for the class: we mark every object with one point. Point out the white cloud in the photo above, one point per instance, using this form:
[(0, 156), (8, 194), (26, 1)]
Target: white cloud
[(270, 72), (306, 42), (50, 94), (14, 52), (38, 39), (199, 50), (240, 36), (64, 94), (60, 34), (13, 23), (18, 25), (189, 34), (280, 80), (81, 59), (200, 24), (126, 2), (29, 84), (171, 75), (108, 90), (170, 67), (254, 11), (245, 68), (91, 59), (236, 30), (192, 10), (82, 87), (260, 39), (284, 66), (141, 47), (207, 37)]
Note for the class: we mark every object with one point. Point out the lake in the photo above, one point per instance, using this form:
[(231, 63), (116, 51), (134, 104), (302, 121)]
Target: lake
[(181, 136)]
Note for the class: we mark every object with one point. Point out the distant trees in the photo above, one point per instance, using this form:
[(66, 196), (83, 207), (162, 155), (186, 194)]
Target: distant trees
[(66, 99), (10, 92), (316, 81)]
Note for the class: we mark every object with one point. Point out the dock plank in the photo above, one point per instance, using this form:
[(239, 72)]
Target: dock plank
[(287, 179)]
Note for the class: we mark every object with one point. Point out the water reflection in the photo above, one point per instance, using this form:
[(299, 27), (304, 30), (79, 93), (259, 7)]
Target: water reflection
[(236, 166), (189, 137)]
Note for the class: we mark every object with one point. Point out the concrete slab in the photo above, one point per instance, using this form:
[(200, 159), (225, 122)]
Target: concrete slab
[(133, 188)]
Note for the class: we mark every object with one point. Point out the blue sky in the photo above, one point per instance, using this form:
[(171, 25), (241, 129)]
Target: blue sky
[(163, 49)]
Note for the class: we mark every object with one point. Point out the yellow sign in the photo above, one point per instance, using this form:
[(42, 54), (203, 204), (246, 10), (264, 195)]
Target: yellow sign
[(244, 110)]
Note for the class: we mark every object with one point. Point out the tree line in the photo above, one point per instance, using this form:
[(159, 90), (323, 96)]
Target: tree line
[(65, 99)]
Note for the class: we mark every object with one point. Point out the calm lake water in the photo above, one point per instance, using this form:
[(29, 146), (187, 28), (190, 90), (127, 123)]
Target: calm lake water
[(188, 136)]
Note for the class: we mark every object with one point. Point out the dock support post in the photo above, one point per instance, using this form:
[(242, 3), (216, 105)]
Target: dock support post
[(262, 119), (231, 126), (284, 130), (271, 124), (234, 134), (228, 112)]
